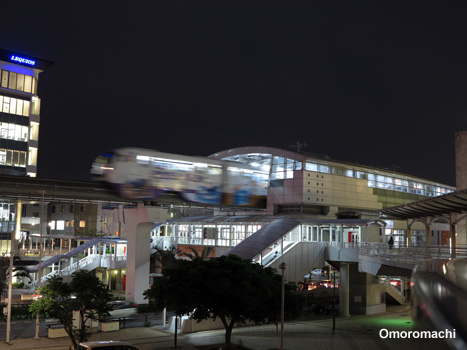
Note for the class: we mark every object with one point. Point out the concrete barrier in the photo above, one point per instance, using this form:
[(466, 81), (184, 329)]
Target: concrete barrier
[(110, 326), (58, 332)]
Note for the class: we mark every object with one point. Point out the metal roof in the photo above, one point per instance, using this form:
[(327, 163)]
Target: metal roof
[(451, 203)]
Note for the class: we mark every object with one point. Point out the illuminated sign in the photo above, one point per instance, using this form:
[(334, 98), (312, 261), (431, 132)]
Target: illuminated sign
[(23, 60)]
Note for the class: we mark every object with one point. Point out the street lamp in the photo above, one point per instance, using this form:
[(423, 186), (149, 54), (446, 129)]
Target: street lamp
[(282, 266)]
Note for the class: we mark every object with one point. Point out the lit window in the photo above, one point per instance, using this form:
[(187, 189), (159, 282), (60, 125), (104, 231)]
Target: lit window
[(60, 224), (32, 156), (82, 223), (324, 169), (361, 175), (34, 131), (311, 166)]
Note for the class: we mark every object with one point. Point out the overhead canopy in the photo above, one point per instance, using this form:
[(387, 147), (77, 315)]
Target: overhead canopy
[(451, 203)]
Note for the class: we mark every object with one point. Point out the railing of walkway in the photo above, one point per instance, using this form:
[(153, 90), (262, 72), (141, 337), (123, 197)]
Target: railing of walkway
[(163, 243), (268, 257), (80, 264), (411, 254)]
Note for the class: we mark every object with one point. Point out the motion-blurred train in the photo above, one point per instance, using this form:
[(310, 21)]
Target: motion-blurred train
[(439, 300), (137, 173)]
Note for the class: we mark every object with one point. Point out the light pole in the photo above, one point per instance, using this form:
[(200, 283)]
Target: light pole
[(10, 286), (282, 266), (40, 260)]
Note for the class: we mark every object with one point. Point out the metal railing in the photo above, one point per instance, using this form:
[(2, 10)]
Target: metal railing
[(412, 254), (80, 264)]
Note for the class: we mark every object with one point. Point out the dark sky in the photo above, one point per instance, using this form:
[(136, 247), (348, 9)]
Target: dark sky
[(381, 83)]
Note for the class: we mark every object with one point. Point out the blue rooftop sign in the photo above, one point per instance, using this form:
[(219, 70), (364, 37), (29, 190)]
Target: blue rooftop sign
[(19, 59)]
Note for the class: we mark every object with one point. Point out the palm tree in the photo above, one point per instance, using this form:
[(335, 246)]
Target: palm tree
[(165, 258), (194, 254)]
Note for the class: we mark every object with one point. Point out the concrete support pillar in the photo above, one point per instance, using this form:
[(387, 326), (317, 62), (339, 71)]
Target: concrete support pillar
[(428, 235), (104, 277), (344, 290), (137, 268), (409, 236)]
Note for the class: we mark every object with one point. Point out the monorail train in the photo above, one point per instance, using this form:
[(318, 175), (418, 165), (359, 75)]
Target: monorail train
[(137, 173)]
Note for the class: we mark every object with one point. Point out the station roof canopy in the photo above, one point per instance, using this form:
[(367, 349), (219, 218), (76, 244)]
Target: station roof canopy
[(451, 203)]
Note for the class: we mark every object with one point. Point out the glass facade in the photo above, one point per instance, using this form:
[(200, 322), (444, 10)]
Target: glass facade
[(383, 181), (214, 234), (19, 121), (283, 168), (18, 82)]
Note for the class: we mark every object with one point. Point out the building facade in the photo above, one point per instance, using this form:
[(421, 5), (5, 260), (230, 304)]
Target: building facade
[(19, 113)]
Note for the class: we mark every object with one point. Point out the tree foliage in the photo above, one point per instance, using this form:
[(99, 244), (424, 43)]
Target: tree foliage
[(84, 293), (230, 288), (194, 253)]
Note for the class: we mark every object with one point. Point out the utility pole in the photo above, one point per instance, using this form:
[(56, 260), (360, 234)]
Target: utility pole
[(39, 274), (282, 266), (10, 289)]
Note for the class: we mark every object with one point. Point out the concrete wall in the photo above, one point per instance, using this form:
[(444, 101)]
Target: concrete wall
[(301, 259)]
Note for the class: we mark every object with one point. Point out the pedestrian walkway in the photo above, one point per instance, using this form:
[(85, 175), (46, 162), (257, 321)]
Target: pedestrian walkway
[(353, 333)]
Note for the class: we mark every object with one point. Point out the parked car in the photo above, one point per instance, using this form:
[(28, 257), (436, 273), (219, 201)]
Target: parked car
[(106, 345), (121, 304), (395, 281)]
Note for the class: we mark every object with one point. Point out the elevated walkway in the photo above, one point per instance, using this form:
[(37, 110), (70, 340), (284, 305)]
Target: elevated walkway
[(106, 252)]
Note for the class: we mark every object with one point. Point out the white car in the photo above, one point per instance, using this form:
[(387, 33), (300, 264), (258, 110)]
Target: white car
[(313, 273), (106, 345)]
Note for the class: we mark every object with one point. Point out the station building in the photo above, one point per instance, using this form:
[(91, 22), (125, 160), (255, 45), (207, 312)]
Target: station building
[(314, 186)]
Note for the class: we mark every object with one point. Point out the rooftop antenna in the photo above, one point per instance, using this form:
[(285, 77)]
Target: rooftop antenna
[(298, 146)]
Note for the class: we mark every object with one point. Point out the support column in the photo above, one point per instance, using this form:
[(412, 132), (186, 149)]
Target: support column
[(409, 236), (344, 290), (137, 266), (452, 226), (428, 236)]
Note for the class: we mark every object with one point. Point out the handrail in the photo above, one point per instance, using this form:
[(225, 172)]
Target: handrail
[(80, 264)]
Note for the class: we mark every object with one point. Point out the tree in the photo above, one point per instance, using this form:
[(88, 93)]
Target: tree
[(165, 258), (84, 293), (194, 253), (228, 287)]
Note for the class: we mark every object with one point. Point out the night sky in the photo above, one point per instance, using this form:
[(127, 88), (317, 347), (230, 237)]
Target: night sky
[(380, 83)]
